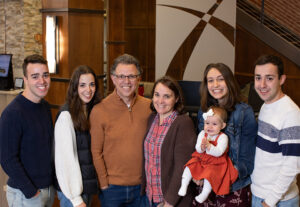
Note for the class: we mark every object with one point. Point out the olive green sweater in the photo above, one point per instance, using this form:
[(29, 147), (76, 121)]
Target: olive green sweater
[(117, 139)]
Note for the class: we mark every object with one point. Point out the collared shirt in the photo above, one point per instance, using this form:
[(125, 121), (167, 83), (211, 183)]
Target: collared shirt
[(152, 153)]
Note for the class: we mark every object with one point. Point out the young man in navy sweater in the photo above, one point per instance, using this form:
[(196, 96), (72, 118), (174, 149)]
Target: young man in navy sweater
[(26, 137)]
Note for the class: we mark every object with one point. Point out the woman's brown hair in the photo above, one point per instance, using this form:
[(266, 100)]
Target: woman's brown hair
[(76, 109), (231, 98), (173, 86)]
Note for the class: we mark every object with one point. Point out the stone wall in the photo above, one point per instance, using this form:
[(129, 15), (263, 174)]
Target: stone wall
[(1, 26), (32, 26), (20, 21)]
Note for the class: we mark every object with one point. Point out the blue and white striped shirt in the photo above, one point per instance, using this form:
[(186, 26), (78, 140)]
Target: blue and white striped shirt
[(277, 158)]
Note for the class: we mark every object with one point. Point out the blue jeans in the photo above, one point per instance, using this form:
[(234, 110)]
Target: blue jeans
[(15, 197), (294, 202), (120, 196), (65, 202)]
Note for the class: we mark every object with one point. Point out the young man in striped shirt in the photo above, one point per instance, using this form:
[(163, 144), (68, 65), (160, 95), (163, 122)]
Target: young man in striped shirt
[(277, 158)]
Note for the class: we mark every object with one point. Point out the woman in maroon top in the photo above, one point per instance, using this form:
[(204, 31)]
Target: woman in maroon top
[(169, 142)]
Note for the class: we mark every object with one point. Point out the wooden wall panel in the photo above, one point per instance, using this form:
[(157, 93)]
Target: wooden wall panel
[(134, 37), (248, 49), (115, 37), (140, 34), (57, 92), (116, 20), (86, 41), (55, 4), (152, 13), (291, 88), (86, 4), (134, 9), (63, 25), (132, 30), (80, 42), (150, 69)]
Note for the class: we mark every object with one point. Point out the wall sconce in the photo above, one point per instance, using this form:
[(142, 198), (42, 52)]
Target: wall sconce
[(52, 43)]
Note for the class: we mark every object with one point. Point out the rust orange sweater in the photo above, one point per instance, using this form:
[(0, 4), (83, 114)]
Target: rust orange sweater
[(117, 139)]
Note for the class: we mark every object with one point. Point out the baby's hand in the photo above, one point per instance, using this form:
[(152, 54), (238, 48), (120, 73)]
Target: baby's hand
[(204, 144), (208, 145)]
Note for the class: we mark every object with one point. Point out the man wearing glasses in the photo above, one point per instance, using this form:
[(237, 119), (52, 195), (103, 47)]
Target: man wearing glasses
[(118, 127)]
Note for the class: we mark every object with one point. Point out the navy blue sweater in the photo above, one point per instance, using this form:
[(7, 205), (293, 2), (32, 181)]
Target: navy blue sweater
[(26, 137)]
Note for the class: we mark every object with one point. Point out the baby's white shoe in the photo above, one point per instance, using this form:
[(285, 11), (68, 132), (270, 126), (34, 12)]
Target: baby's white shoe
[(201, 197)]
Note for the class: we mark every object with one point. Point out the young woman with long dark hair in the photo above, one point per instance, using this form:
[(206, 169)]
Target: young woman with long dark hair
[(220, 88), (76, 175)]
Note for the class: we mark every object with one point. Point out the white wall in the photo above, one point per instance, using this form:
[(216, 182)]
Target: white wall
[(174, 25)]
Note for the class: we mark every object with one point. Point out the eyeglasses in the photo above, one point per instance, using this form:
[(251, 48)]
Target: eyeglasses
[(123, 77)]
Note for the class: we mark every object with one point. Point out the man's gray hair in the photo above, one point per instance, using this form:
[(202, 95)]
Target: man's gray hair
[(126, 59)]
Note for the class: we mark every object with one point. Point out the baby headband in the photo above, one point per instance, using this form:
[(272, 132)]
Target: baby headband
[(207, 114)]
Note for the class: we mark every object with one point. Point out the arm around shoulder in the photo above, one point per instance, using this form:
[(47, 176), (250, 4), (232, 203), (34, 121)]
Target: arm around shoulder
[(247, 143)]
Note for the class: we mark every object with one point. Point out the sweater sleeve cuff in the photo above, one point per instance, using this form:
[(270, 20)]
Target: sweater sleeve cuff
[(77, 201), (29, 191), (103, 182)]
